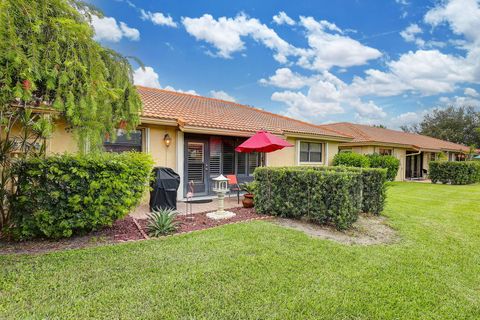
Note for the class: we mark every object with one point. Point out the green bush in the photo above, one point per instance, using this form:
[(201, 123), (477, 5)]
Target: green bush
[(465, 172), (390, 163), (322, 196), (374, 190), (63, 195), (351, 159), (374, 186)]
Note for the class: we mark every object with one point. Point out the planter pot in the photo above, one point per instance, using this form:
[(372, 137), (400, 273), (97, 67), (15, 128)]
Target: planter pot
[(247, 200)]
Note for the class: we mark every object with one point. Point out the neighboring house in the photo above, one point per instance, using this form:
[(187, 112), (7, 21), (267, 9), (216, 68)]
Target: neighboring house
[(196, 136), (413, 150)]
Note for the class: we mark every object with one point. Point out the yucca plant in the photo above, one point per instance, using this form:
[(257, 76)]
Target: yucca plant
[(162, 222)]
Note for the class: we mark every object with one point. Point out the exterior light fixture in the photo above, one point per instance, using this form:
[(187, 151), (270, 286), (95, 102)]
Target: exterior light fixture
[(220, 186), (167, 139)]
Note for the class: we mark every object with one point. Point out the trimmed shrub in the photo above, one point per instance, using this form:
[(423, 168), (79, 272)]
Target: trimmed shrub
[(374, 190), (390, 163), (465, 172), (351, 159), (323, 196), (63, 195)]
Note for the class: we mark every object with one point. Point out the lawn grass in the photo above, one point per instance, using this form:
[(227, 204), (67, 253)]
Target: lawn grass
[(258, 270)]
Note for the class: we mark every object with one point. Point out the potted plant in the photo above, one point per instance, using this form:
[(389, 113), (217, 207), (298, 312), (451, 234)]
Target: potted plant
[(249, 188)]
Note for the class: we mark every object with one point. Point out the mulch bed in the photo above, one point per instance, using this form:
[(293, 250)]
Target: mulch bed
[(124, 230), (200, 221)]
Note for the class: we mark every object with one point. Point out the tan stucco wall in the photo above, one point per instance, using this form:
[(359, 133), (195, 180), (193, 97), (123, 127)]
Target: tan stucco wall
[(289, 156), (162, 156), (61, 140), (401, 154), (284, 157)]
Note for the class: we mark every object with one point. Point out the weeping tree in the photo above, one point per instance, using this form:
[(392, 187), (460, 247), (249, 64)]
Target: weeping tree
[(50, 67)]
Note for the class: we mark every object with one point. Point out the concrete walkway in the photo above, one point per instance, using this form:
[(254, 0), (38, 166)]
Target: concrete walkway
[(142, 210)]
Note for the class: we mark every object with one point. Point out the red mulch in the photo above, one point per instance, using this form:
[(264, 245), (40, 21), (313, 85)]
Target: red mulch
[(123, 230), (200, 221)]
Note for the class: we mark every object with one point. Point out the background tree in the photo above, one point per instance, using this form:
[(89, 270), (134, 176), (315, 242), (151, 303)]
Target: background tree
[(454, 124), (48, 58), (50, 66)]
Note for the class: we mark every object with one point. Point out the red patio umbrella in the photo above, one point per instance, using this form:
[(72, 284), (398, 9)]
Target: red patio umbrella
[(263, 141)]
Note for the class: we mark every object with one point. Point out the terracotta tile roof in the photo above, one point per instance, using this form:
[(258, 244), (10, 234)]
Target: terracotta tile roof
[(198, 111), (365, 133)]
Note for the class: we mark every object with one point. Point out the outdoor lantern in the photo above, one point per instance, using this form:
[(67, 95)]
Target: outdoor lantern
[(220, 186), (167, 139)]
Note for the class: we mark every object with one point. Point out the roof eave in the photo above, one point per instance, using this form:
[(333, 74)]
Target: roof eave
[(316, 136), (379, 144)]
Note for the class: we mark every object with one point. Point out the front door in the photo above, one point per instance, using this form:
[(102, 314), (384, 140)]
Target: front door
[(196, 167)]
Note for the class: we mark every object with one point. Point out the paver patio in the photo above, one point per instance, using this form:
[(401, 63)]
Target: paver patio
[(142, 210)]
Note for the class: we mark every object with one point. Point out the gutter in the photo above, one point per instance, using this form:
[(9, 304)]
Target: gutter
[(317, 136)]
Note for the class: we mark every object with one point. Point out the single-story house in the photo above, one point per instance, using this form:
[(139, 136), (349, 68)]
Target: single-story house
[(414, 151), (196, 136)]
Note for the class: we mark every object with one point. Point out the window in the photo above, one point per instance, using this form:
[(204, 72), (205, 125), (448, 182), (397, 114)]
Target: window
[(125, 142), (228, 158), (385, 152), (254, 160), (433, 156), (311, 152), (345, 151)]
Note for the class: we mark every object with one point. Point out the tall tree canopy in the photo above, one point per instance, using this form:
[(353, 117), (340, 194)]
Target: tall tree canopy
[(48, 58), (454, 124)]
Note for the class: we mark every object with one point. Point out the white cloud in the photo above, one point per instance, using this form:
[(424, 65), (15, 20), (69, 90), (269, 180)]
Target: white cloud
[(328, 47), (222, 95), (430, 71), (158, 18), (225, 34), (471, 92), (283, 18), (286, 79), (181, 91), (146, 77), (410, 34), (326, 95), (407, 118), (459, 101), (107, 29), (130, 33), (463, 17)]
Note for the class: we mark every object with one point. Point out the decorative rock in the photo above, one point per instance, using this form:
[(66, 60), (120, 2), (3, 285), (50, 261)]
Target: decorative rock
[(220, 215)]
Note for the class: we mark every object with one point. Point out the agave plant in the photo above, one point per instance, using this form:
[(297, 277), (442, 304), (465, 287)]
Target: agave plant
[(162, 222)]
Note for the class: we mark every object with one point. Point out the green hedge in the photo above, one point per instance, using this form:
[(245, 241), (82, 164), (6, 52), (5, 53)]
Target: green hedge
[(373, 183), (465, 172), (322, 196), (351, 159), (390, 163), (63, 195)]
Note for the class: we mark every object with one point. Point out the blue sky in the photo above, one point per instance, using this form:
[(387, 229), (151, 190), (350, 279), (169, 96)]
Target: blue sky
[(364, 61)]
